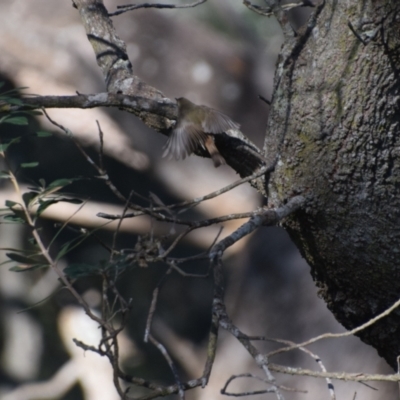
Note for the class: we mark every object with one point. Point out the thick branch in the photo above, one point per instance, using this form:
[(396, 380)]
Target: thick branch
[(164, 108), (112, 58)]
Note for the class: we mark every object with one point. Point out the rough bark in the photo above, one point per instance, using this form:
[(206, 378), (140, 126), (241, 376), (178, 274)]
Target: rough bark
[(335, 124)]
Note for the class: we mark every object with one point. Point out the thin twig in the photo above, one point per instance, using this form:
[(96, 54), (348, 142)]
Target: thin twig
[(339, 335), (221, 316), (173, 265), (225, 189), (153, 305), (44, 251), (342, 376), (101, 149), (164, 352), (355, 33), (252, 393), (269, 11), (264, 217), (264, 99), (131, 7), (311, 354), (115, 235)]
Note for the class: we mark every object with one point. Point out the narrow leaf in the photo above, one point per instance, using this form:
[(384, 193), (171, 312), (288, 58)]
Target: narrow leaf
[(17, 217), (30, 164), (16, 120), (72, 200), (15, 90), (43, 134), (32, 112), (10, 203), (19, 268), (64, 249), (74, 271), (44, 205), (12, 100), (28, 197), (21, 259), (60, 183), (4, 146)]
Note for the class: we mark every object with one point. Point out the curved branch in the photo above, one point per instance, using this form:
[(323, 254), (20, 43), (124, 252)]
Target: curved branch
[(111, 56)]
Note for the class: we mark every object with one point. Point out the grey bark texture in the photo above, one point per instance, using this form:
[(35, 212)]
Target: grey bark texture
[(335, 125)]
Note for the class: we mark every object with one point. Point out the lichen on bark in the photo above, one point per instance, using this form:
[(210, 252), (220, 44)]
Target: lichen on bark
[(335, 124)]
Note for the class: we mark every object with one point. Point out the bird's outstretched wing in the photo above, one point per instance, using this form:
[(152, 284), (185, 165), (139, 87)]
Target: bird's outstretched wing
[(184, 139), (217, 122)]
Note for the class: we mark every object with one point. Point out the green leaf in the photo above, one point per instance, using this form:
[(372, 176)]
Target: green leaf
[(64, 249), (43, 134), (15, 90), (44, 205), (18, 268), (4, 175), (32, 164), (11, 100), (70, 200), (12, 249), (32, 112), (60, 183), (72, 244), (6, 262), (28, 197), (16, 120), (80, 270), (10, 203), (35, 189), (4, 146), (21, 259), (18, 216)]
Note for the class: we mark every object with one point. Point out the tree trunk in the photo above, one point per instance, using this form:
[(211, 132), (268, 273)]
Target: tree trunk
[(334, 123)]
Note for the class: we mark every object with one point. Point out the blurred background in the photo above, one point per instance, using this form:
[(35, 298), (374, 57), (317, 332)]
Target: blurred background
[(219, 54)]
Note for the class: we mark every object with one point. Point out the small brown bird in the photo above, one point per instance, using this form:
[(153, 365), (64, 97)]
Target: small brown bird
[(195, 128)]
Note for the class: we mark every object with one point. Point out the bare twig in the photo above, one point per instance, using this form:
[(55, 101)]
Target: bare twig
[(189, 203), (134, 103), (269, 11), (355, 33), (311, 354), (153, 305), (264, 99), (114, 242), (101, 140), (221, 316), (342, 376), (225, 189), (173, 265), (339, 335), (131, 7), (255, 392), (164, 352), (263, 217)]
